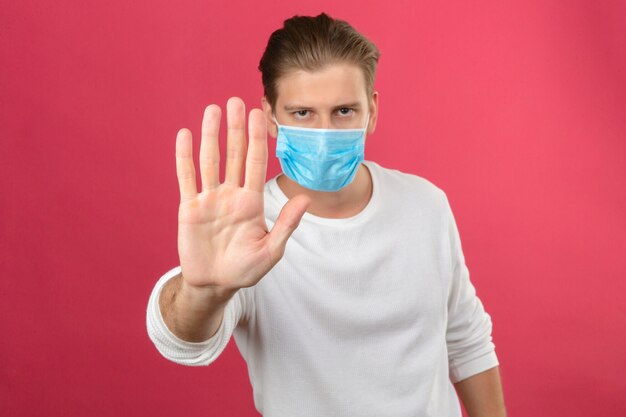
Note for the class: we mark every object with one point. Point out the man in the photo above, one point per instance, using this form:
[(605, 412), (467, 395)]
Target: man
[(356, 300)]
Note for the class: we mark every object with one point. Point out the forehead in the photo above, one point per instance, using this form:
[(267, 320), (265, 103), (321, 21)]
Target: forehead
[(332, 85)]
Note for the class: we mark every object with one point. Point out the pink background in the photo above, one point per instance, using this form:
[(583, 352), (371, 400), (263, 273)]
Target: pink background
[(517, 111)]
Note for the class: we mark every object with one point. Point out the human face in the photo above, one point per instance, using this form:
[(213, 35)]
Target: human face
[(332, 98)]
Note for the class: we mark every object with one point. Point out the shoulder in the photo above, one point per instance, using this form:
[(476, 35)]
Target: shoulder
[(407, 186)]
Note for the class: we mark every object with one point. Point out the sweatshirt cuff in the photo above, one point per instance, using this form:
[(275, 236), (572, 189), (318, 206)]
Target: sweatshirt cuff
[(176, 349), (464, 370)]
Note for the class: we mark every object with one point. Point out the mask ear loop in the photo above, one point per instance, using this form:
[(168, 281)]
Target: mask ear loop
[(275, 121)]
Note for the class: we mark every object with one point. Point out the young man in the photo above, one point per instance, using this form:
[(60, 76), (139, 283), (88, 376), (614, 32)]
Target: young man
[(342, 282)]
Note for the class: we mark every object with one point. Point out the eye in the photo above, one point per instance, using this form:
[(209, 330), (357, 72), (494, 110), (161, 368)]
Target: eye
[(300, 114), (346, 111)]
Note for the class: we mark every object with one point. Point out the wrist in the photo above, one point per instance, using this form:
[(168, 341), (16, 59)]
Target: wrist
[(207, 295)]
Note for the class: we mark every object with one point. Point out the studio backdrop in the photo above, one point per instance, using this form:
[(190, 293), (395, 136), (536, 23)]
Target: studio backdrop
[(517, 110)]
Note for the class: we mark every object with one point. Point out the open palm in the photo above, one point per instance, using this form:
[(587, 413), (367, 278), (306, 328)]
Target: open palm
[(223, 240)]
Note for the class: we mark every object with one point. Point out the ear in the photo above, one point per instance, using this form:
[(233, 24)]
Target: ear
[(267, 111), (373, 113)]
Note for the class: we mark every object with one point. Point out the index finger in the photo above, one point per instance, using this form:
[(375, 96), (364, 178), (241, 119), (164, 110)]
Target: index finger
[(256, 160), (209, 148)]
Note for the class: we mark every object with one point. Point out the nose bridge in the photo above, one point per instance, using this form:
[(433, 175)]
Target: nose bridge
[(325, 121)]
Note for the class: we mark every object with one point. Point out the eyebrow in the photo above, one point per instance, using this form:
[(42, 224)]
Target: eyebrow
[(291, 107)]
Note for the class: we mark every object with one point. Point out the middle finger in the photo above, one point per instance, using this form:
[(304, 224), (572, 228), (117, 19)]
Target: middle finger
[(236, 140)]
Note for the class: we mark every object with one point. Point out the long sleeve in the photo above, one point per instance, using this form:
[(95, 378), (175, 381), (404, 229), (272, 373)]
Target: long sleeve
[(378, 303), (468, 334), (188, 353)]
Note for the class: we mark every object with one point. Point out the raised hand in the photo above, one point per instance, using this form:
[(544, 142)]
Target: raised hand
[(223, 240)]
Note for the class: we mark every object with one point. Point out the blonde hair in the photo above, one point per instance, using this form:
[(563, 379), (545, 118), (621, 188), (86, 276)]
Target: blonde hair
[(312, 43)]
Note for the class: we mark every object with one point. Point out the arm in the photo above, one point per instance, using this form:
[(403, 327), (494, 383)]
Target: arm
[(174, 346), (471, 352), (224, 244), (192, 314), (482, 395)]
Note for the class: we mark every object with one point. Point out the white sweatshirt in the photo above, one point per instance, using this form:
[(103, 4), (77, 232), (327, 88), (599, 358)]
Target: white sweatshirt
[(372, 315)]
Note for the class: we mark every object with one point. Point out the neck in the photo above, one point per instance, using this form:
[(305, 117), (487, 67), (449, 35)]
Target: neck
[(347, 202)]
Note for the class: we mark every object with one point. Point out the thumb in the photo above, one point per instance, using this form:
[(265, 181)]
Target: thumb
[(288, 220)]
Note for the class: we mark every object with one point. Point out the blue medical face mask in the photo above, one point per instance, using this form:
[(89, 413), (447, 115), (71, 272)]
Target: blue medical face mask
[(320, 159)]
